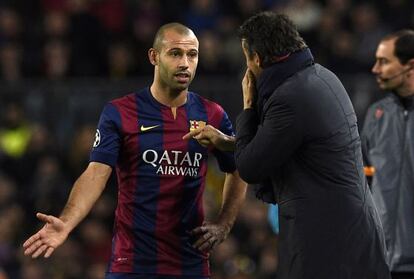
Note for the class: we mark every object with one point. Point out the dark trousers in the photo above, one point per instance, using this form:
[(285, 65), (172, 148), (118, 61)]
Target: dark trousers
[(402, 275)]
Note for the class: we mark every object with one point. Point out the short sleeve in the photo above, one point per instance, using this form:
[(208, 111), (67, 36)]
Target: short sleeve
[(108, 137)]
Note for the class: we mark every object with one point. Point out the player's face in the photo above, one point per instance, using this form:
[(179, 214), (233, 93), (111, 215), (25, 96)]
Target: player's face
[(178, 59), (387, 67)]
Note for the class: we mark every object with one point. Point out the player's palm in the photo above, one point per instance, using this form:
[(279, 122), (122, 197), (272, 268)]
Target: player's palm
[(48, 238)]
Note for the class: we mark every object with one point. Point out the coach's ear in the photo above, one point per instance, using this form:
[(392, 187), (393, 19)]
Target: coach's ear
[(153, 56)]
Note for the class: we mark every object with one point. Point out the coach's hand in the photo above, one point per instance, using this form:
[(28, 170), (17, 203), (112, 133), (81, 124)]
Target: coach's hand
[(249, 90), (209, 235), (48, 238)]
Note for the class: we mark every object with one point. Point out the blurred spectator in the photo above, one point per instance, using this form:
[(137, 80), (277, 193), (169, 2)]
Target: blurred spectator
[(246, 8), (15, 132), (146, 19), (121, 61), (111, 14), (11, 62), (33, 270), (368, 32), (97, 241), (88, 47), (202, 15), (339, 8), (80, 147), (212, 60), (10, 25), (48, 183), (304, 13), (342, 48), (3, 274), (56, 55), (56, 25), (397, 14)]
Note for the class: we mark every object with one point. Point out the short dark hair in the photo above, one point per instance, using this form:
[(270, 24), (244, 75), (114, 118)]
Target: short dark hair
[(404, 44), (271, 35), (177, 27)]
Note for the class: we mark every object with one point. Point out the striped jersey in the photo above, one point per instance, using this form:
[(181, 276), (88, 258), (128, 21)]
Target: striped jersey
[(161, 180)]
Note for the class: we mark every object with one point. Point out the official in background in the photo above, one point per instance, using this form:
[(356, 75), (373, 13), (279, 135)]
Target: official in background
[(389, 149)]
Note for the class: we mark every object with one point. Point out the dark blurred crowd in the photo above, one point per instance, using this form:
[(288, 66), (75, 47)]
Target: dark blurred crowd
[(57, 40)]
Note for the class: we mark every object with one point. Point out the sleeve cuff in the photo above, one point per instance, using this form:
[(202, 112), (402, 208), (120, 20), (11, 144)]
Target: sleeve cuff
[(104, 158), (246, 123)]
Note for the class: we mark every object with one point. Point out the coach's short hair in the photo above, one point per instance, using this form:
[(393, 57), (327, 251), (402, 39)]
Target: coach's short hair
[(270, 35)]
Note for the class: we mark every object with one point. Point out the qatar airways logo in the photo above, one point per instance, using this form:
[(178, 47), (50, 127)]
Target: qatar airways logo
[(173, 162)]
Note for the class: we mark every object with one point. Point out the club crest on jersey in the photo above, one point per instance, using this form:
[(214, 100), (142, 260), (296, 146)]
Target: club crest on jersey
[(194, 125)]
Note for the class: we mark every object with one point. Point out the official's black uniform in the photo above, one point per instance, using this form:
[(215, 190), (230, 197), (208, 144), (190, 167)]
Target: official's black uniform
[(302, 145)]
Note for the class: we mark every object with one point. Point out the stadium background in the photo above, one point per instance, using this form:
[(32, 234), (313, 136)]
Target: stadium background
[(61, 60)]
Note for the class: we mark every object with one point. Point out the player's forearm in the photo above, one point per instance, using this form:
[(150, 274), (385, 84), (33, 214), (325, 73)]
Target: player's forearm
[(234, 192), (86, 190)]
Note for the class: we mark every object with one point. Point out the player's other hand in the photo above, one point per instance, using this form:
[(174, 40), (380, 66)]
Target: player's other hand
[(209, 235), (48, 238), (210, 136)]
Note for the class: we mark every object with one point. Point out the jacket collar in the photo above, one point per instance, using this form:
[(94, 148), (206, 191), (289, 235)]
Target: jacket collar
[(273, 76), (406, 102)]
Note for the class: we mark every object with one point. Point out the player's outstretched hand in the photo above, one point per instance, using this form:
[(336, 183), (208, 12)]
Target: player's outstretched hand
[(48, 238), (209, 235), (209, 135)]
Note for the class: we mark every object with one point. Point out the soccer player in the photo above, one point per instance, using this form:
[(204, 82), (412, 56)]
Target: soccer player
[(159, 229)]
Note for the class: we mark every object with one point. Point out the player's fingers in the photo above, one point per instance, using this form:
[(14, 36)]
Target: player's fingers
[(49, 252), (33, 247), (199, 230), (201, 242), (39, 251), (32, 239), (207, 245), (202, 239)]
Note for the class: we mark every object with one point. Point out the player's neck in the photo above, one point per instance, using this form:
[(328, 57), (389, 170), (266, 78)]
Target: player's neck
[(169, 97)]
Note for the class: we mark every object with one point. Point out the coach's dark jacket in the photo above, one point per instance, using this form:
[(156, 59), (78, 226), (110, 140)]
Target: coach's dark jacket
[(302, 142)]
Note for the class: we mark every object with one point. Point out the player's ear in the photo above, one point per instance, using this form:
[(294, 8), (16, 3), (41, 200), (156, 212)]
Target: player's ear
[(153, 56)]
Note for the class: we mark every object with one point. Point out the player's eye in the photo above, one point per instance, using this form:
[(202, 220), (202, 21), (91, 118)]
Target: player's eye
[(193, 54), (175, 53)]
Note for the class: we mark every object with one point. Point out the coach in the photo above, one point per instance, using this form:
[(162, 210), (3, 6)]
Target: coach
[(298, 137)]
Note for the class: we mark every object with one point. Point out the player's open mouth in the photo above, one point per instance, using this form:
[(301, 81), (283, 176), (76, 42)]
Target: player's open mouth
[(182, 77)]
